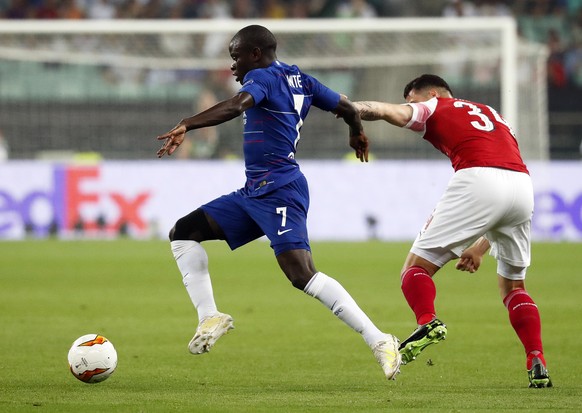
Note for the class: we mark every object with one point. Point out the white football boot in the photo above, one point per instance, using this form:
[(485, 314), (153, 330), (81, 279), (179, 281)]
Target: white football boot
[(387, 354), (209, 330)]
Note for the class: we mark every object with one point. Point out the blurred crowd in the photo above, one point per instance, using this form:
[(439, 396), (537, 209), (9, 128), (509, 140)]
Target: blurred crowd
[(556, 23), (188, 9)]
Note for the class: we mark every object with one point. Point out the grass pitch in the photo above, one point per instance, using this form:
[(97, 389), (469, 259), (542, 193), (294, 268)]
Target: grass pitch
[(287, 353)]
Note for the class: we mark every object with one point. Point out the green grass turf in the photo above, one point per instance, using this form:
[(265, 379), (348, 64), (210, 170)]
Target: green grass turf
[(287, 353)]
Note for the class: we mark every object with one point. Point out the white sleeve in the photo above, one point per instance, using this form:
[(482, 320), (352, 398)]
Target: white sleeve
[(421, 111)]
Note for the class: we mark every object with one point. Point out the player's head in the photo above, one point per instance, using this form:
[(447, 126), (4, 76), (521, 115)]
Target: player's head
[(426, 87), (252, 47)]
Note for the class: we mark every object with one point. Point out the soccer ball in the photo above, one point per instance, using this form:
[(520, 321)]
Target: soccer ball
[(92, 358)]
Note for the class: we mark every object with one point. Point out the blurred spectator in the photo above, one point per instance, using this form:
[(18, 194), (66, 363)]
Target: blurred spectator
[(154, 9), (460, 8), (573, 55), (273, 9), (130, 9), (392, 8), (48, 9), (215, 43), (573, 7), (556, 69), (222, 83), (202, 143), (70, 10), (18, 9), (355, 9), (101, 10), (420, 8), (457, 71), (541, 17), (244, 9), (480, 8), (493, 8), (317, 8), (186, 9), (214, 9), (299, 10), (353, 42), (4, 150)]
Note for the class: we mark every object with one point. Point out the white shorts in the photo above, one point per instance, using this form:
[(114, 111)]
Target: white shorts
[(496, 203)]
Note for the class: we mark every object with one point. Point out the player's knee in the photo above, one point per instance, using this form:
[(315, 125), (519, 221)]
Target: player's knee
[(192, 227), (300, 277), (181, 229), (297, 265), (511, 272), (298, 282)]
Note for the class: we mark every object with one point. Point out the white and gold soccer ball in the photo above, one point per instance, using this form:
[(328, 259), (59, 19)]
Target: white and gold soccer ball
[(92, 358)]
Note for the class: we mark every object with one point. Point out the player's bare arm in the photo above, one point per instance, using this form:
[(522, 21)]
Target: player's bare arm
[(221, 112), (471, 258), (398, 115), (358, 139)]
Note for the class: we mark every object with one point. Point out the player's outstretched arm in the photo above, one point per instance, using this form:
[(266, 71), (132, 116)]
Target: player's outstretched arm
[(398, 115), (358, 140), (221, 112), (471, 258)]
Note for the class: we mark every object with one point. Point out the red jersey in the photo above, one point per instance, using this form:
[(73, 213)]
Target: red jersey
[(470, 134)]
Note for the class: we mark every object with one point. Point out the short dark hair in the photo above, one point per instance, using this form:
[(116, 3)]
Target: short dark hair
[(257, 36), (426, 81)]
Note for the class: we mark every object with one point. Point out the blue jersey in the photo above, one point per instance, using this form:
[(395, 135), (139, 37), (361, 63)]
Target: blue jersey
[(283, 96)]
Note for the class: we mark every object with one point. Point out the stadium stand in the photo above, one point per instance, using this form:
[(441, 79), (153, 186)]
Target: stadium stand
[(554, 23)]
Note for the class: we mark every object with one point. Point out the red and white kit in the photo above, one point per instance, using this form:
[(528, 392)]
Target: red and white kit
[(490, 193)]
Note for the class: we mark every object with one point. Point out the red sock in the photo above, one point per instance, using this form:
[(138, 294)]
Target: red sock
[(525, 319), (420, 293), (532, 355)]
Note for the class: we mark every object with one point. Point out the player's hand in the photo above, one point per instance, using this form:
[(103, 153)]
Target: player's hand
[(359, 143), (469, 261), (173, 139)]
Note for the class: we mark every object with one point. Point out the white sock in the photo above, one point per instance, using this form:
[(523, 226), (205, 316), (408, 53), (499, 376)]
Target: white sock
[(193, 264), (340, 302)]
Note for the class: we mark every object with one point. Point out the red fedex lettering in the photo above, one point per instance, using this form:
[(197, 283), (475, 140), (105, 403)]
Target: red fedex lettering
[(75, 197), (129, 209)]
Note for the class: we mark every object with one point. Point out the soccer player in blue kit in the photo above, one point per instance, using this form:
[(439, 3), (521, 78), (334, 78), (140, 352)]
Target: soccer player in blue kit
[(274, 100)]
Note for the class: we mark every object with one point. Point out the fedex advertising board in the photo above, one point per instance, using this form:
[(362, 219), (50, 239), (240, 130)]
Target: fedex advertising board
[(387, 200)]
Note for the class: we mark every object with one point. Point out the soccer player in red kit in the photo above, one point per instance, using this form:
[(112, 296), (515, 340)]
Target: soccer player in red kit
[(488, 204)]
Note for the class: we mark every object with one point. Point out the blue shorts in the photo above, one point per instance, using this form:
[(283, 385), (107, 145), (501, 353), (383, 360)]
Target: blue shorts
[(281, 215)]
